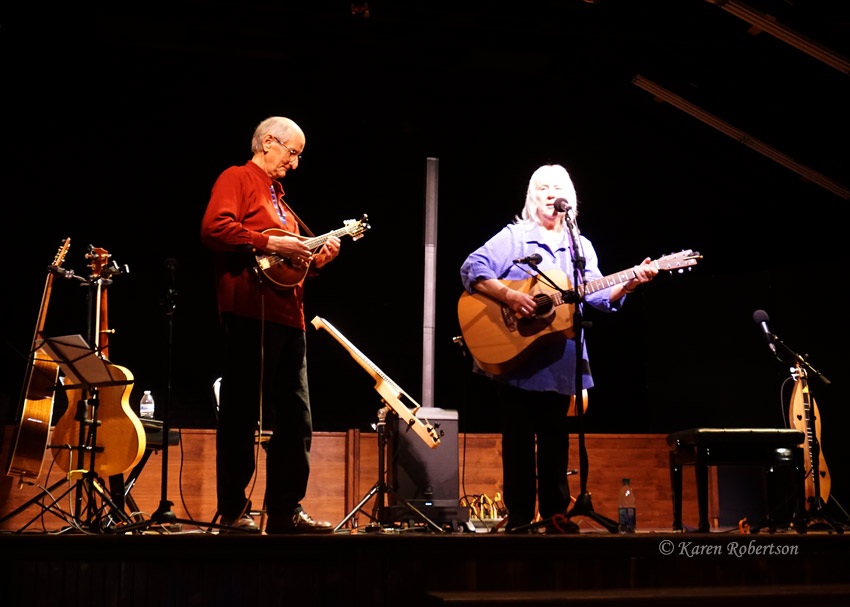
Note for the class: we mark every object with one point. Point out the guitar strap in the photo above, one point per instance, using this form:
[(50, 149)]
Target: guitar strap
[(298, 219)]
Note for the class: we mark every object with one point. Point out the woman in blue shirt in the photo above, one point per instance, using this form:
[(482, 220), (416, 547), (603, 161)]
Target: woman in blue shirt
[(535, 396)]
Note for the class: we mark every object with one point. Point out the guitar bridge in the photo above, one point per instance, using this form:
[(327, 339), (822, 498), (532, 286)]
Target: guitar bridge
[(509, 318)]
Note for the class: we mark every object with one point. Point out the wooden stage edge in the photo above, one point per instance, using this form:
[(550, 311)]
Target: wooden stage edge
[(424, 569)]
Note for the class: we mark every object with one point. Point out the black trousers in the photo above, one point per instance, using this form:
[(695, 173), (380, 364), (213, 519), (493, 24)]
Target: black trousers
[(282, 356), (535, 452)]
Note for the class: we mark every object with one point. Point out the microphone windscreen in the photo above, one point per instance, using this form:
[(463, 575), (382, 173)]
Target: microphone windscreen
[(760, 316)]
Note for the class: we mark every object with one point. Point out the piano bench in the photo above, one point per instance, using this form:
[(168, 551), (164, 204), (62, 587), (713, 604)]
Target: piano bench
[(769, 448)]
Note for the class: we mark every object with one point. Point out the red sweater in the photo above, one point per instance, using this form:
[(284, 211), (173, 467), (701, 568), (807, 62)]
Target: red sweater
[(239, 209)]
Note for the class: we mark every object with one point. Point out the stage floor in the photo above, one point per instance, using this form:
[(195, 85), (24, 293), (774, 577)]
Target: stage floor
[(416, 568)]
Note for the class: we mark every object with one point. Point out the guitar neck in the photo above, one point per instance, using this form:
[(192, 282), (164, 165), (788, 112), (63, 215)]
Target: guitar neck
[(607, 281), (390, 392), (318, 241), (370, 367)]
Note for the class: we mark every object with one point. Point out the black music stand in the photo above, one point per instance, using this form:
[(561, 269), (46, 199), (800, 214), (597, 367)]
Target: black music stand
[(380, 489), (84, 369)]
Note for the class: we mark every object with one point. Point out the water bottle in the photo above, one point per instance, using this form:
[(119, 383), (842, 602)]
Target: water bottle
[(626, 507), (146, 406)]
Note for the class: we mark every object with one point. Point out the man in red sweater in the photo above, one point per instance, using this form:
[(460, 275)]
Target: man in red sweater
[(265, 340)]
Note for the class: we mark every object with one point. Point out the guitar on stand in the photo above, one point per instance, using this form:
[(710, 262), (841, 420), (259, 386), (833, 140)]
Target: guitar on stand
[(120, 434), (30, 442), (99, 435), (803, 415), (398, 402)]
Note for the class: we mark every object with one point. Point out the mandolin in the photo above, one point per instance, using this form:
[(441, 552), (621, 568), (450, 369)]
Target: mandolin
[(30, 442), (803, 415), (500, 341), (283, 273), (120, 434)]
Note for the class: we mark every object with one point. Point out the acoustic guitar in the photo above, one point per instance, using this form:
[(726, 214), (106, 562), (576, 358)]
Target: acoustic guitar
[(803, 415), (120, 434), (499, 340), (30, 442), (281, 271)]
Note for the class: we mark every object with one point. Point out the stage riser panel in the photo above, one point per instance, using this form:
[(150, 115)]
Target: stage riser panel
[(344, 468), (389, 571)]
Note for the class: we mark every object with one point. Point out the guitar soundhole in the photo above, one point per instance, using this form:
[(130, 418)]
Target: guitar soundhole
[(544, 304), (534, 325)]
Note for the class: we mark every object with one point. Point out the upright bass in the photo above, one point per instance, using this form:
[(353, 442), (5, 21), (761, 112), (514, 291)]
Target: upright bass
[(30, 442), (120, 436)]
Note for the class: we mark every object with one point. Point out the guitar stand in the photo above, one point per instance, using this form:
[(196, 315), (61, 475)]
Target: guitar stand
[(87, 483), (380, 489), (86, 371)]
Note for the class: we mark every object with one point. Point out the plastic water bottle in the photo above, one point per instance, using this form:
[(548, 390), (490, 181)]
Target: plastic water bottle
[(146, 406), (626, 507)]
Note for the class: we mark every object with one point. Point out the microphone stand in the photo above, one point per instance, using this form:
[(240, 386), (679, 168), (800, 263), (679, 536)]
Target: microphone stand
[(164, 515), (583, 505)]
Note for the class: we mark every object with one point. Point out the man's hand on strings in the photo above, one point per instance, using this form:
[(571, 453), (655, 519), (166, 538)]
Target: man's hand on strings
[(328, 252), (291, 247)]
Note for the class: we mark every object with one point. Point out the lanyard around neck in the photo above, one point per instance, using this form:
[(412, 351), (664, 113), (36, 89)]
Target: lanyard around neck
[(278, 207)]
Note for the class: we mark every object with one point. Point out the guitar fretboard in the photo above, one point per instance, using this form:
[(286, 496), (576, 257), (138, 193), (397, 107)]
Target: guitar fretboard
[(371, 368), (608, 281), (317, 241)]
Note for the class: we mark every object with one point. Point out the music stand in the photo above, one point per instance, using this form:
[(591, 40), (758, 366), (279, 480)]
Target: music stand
[(84, 369)]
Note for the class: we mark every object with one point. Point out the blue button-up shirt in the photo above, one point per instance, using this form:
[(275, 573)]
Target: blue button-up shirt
[(552, 367)]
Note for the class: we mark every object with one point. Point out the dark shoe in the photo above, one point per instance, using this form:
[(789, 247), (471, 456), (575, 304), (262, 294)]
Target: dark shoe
[(245, 524), (298, 523)]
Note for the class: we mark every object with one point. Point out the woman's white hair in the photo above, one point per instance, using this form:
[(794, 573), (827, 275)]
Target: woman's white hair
[(544, 173), (276, 126)]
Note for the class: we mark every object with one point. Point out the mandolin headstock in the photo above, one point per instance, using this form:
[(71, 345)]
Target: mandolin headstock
[(356, 228)]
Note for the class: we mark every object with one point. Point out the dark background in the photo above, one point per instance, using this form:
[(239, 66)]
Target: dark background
[(118, 120)]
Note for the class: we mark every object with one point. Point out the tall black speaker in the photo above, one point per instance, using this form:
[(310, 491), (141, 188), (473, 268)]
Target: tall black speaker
[(426, 478)]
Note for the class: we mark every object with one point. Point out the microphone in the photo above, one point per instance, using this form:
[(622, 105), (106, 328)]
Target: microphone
[(760, 317), (531, 260), (562, 205)]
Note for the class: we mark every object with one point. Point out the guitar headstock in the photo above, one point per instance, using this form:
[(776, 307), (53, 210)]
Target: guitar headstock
[(60, 254), (100, 265), (678, 262), (357, 227), (98, 260)]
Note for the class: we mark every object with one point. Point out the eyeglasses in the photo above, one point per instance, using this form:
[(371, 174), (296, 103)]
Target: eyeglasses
[(294, 153)]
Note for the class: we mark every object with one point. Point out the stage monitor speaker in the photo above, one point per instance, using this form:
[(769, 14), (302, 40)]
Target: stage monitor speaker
[(426, 478)]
